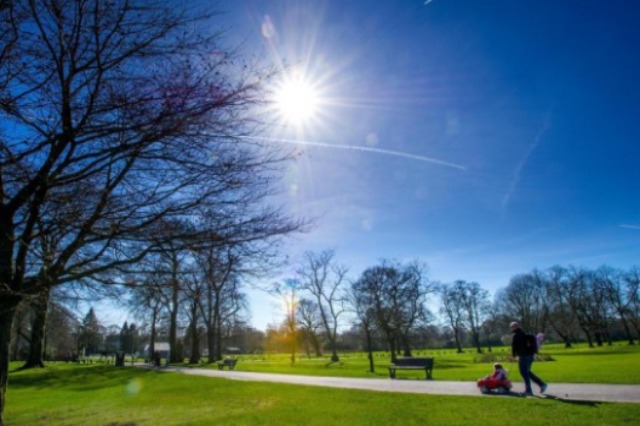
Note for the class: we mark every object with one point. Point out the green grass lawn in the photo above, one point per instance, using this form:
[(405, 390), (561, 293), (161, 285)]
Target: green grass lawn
[(104, 395), (619, 364), (68, 394)]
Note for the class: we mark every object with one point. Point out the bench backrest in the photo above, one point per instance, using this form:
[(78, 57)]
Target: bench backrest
[(414, 362), (229, 361)]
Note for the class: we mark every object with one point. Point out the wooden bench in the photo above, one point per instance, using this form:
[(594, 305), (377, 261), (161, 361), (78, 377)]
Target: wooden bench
[(230, 363), (410, 363)]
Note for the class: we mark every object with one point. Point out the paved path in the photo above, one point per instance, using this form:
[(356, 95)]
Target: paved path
[(569, 392)]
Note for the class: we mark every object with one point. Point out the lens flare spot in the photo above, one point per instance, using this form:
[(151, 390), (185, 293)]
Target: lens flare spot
[(133, 387), (268, 29), (372, 139)]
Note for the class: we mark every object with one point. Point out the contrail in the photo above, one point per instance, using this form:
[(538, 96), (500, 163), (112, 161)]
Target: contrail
[(361, 148), (520, 166), (630, 226)]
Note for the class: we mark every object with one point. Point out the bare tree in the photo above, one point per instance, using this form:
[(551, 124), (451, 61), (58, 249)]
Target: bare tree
[(525, 300), (20, 332), (473, 302), (219, 268), (50, 236), (562, 318), (398, 294), (146, 302), (613, 283), (288, 292), (40, 307), (363, 305), (194, 290), (60, 337), (132, 101), (632, 280), (492, 322), (171, 273), (451, 308), (308, 316), (589, 302), (321, 277)]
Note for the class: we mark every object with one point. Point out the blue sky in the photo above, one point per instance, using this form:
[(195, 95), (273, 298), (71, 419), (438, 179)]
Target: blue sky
[(519, 120)]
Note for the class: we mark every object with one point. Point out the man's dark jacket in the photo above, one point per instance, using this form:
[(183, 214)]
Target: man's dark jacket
[(519, 345)]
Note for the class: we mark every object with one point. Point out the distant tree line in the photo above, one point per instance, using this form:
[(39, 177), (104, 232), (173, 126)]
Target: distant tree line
[(391, 307), (386, 308)]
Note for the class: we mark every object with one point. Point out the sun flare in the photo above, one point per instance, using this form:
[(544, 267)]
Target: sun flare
[(296, 101)]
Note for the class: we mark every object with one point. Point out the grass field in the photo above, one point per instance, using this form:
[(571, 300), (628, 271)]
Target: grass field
[(66, 394), (619, 364)]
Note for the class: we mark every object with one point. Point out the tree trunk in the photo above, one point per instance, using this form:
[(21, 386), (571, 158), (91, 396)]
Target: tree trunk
[(627, 330), (213, 329), (18, 319), (598, 337), (318, 349), (456, 335), (476, 340), (152, 337), (607, 336), (334, 351), (392, 348), (195, 347), (372, 367), (195, 338), (217, 328), (406, 347), (173, 336), (589, 339), (40, 306), (566, 340), (7, 310), (219, 343), (211, 345), (174, 356), (218, 340), (637, 329)]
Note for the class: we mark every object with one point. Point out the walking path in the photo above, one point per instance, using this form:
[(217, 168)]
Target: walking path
[(570, 392)]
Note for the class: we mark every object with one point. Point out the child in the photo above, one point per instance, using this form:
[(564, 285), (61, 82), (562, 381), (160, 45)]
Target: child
[(499, 373), (496, 381)]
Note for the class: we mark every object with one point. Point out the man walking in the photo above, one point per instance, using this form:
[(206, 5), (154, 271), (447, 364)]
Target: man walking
[(524, 349)]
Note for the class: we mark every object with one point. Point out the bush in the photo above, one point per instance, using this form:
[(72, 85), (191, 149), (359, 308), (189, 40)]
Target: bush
[(491, 357), (544, 357)]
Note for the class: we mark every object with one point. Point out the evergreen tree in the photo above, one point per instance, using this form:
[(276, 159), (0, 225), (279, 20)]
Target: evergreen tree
[(133, 335), (124, 337), (90, 334)]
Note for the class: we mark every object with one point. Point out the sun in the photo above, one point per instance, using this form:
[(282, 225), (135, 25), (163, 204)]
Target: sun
[(296, 100)]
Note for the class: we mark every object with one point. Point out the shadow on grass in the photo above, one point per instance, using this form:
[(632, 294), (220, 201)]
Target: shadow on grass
[(572, 401), (596, 352), (550, 397), (78, 378), (506, 395)]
